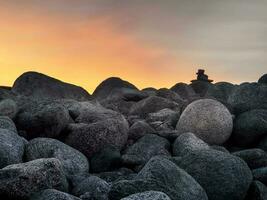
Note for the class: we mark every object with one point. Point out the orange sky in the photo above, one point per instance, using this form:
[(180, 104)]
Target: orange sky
[(85, 50)]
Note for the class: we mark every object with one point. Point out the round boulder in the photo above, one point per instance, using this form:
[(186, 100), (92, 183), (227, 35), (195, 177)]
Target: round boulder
[(208, 119), (73, 161), (8, 107), (139, 129), (52, 194), (148, 195), (7, 123)]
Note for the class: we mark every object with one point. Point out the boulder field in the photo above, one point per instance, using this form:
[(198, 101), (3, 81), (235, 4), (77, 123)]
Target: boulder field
[(199, 141)]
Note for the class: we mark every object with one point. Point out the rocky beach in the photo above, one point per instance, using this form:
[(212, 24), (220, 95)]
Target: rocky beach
[(197, 141)]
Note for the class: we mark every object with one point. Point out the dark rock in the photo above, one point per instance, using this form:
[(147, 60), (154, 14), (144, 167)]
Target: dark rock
[(145, 148), (169, 94), (208, 119), (184, 90), (260, 174), (150, 91), (200, 87), (250, 127), (221, 91), (248, 96), (160, 174), (219, 148), (116, 175), (8, 107), (255, 158), (105, 88), (52, 194), (148, 195), (107, 159), (73, 161), (222, 175), (153, 104), (7, 123), (263, 144), (92, 187), (41, 86), (263, 79), (42, 119), (139, 129), (11, 148), (188, 143), (19, 181), (257, 191)]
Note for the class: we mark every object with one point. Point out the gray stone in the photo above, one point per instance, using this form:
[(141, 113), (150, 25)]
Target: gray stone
[(255, 158), (153, 104), (263, 79), (139, 129), (20, 181), (169, 94), (263, 144), (160, 174), (257, 191), (145, 148), (184, 90), (250, 127), (11, 148), (188, 143), (148, 195), (116, 175), (222, 175), (52, 194), (41, 86), (221, 91), (208, 119), (7, 123), (8, 107), (248, 96), (73, 161), (260, 174), (42, 118)]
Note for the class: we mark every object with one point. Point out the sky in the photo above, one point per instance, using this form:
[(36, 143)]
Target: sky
[(147, 42)]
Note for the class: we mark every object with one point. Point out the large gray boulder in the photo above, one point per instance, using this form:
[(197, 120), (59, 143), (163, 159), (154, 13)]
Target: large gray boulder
[(73, 161), (7, 123), (148, 195), (160, 174), (42, 118), (145, 148), (208, 119), (222, 175), (139, 129), (11, 148), (250, 127), (20, 181), (37, 85), (8, 107), (107, 87), (221, 91), (153, 104), (184, 90), (52, 194), (248, 96)]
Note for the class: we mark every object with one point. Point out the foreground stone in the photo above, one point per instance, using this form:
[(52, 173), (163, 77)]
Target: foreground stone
[(19, 181), (208, 119), (52, 194), (149, 195), (222, 175), (7, 123), (160, 174), (41, 86), (73, 161)]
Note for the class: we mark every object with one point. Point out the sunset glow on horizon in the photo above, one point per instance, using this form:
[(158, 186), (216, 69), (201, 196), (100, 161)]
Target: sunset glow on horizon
[(148, 44)]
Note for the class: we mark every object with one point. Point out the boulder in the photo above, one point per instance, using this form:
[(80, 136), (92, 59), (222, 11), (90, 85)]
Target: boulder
[(220, 91), (116, 175), (263, 144), (37, 85), (107, 159), (208, 119), (20, 181), (248, 96), (150, 91), (8, 107), (105, 88), (92, 187), (153, 104), (148, 195), (200, 87), (257, 191), (169, 94), (7, 123), (260, 174), (188, 143), (222, 175), (139, 129), (52, 194), (145, 148), (160, 174), (42, 118), (250, 127), (184, 90), (11, 148), (73, 161), (263, 79), (255, 158)]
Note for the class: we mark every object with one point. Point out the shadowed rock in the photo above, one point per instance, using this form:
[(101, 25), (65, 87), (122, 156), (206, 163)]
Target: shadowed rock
[(41, 86), (257, 191), (52, 194), (149, 195), (184, 90), (263, 79)]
